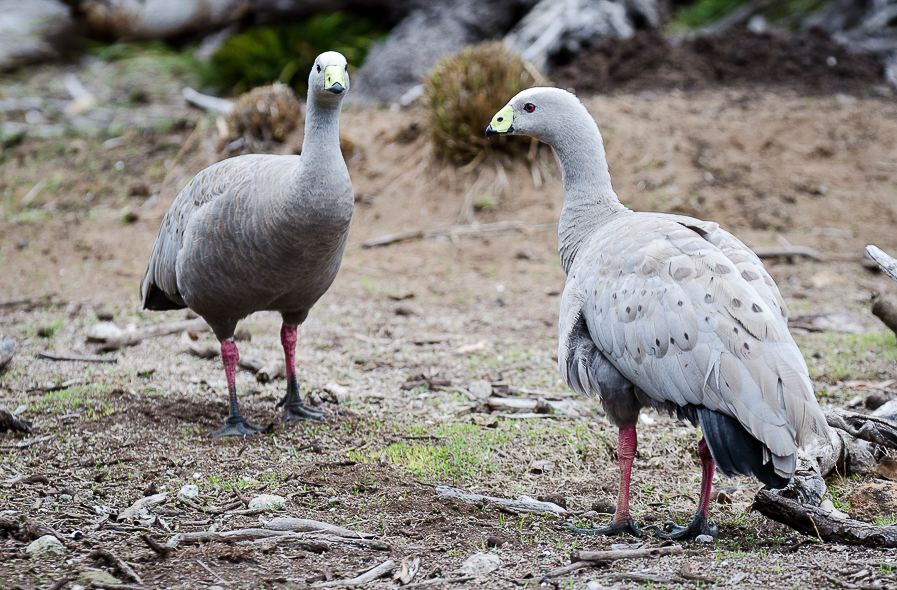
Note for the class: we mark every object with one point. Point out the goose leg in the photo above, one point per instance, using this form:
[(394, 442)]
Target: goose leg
[(236, 424), (701, 523), (627, 442), (293, 409)]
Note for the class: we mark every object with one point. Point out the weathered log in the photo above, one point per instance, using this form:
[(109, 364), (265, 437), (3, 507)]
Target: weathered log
[(869, 428), (816, 522), (884, 307), (369, 576), (614, 555)]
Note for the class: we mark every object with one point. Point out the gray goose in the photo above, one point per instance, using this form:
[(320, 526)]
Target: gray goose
[(260, 232), (669, 312)]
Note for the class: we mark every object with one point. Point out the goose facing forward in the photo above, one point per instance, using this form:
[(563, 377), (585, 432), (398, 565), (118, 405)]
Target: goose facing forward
[(670, 312), (260, 232)]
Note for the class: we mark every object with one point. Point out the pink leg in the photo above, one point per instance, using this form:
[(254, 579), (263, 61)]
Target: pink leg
[(707, 468), (288, 337), (294, 409), (627, 442), (236, 424), (701, 524)]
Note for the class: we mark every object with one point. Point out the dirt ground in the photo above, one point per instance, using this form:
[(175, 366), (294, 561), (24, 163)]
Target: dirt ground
[(79, 213)]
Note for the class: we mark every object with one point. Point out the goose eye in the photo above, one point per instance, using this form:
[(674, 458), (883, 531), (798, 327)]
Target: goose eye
[(529, 107), (319, 68), (347, 67)]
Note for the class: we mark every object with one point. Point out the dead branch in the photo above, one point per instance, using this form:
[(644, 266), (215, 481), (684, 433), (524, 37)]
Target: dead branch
[(153, 331), (9, 421), (435, 581), (563, 407), (225, 537), (161, 550), (61, 583), (302, 525), (816, 522), (105, 586), (640, 577), (407, 570), (523, 504), (296, 540), (868, 428), (208, 103), (369, 576), (887, 263), (614, 555), (459, 231), (28, 303), (784, 251), (566, 569), (884, 307), (53, 356), (7, 350), (132, 511), (117, 562)]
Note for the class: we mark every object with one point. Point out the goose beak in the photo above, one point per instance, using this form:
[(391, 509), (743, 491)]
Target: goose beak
[(334, 79), (502, 122)]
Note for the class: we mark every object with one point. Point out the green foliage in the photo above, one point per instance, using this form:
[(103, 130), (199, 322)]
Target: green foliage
[(463, 93), (702, 12), (286, 53)]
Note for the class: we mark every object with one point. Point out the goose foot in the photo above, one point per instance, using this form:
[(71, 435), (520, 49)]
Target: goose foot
[(236, 426), (628, 527), (297, 411), (698, 526)]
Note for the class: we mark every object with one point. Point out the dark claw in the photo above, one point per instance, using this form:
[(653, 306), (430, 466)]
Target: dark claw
[(698, 526), (236, 426), (627, 528), (298, 411)]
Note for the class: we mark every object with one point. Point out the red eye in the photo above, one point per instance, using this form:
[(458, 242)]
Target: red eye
[(529, 107), (319, 69), (347, 67)]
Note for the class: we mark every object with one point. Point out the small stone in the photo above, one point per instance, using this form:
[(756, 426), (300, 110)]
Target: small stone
[(555, 499), (90, 575), (267, 502), (704, 539), (188, 492), (887, 468), (102, 331), (541, 466), (480, 564), (45, 547), (494, 541), (874, 502), (876, 400), (604, 507), (480, 389)]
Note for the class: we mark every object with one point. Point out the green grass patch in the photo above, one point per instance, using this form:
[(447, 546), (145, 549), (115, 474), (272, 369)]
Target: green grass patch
[(848, 356), (89, 400)]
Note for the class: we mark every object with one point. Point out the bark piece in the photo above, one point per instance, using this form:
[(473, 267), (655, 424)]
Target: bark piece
[(869, 428), (117, 562), (369, 576), (884, 307), (874, 502), (286, 523), (887, 263)]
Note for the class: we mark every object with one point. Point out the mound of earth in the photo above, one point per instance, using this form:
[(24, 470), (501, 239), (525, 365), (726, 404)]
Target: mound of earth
[(808, 62)]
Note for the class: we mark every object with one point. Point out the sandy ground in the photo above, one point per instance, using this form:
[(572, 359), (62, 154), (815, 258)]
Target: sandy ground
[(771, 167)]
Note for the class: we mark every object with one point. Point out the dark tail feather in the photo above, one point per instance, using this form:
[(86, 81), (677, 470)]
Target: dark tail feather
[(157, 300), (734, 450)]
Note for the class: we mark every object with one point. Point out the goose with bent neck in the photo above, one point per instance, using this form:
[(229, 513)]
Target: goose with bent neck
[(261, 232), (671, 313)]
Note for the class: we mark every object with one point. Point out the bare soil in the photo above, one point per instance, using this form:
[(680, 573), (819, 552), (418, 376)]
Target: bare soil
[(818, 171)]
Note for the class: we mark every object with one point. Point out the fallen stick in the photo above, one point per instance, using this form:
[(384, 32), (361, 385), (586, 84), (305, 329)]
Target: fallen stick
[(564, 570), (865, 427), (29, 303), (614, 555), (884, 307), (369, 576), (458, 231), (152, 331), (131, 512), (206, 102), (524, 504), (161, 550), (303, 525), (639, 577), (117, 562), (777, 251), (208, 569), (105, 586), (61, 583), (52, 356), (564, 407), (887, 264), (297, 540), (434, 581), (816, 522)]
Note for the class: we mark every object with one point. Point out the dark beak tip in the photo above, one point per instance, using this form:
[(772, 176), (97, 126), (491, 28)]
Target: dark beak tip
[(337, 88)]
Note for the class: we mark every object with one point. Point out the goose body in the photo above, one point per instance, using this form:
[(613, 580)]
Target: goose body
[(260, 233), (670, 312)]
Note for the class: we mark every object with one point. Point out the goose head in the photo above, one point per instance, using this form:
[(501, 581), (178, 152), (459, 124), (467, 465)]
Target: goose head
[(329, 77), (548, 114)]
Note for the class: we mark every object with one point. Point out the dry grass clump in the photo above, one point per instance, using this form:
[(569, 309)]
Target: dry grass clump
[(268, 113), (463, 93)]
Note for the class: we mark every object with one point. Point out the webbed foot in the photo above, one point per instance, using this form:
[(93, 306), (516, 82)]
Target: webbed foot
[(236, 426), (698, 526), (628, 527)]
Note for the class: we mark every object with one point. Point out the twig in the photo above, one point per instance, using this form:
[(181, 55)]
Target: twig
[(286, 523), (561, 571), (434, 581), (637, 577), (132, 511), (608, 556), (52, 356), (208, 569), (60, 584), (369, 576), (524, 504), (155, 546), (777, 251), (116, 562), (887, 263), (105, 586), (209, 103), (152, 331), (459, 231)]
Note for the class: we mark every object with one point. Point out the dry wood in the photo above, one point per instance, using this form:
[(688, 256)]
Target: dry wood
[(566, 569), (407, 570), (251, 364), (105, 586), (884, 307), (225, 536), (161, 550), (273, 369), (865, 427), (609, 556), (887, 263), (369, 576), (778, 251), (524, 504), (7, 350), (208, 569), (204, 350), (28, 303), (564, 407), (459, 231), (816, 522), (117, 562), (153, 331), (296, 540), (131, 512), (435, 581), (640, 577), (61, 583), (209, 103), (84, 358), (301, 525), (9, 421)]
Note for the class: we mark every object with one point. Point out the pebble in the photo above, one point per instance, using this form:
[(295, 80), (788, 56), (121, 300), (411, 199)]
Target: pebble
[(267, 502), (480, 564), (494, 541), (45, 547), (704, 539), (188, 492)]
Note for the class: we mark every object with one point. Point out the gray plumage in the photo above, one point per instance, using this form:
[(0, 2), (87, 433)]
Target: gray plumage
[(257, 232), (667, 311)]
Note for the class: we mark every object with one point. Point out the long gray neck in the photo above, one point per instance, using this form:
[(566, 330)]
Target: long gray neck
[(589, 198), (321, 142)]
